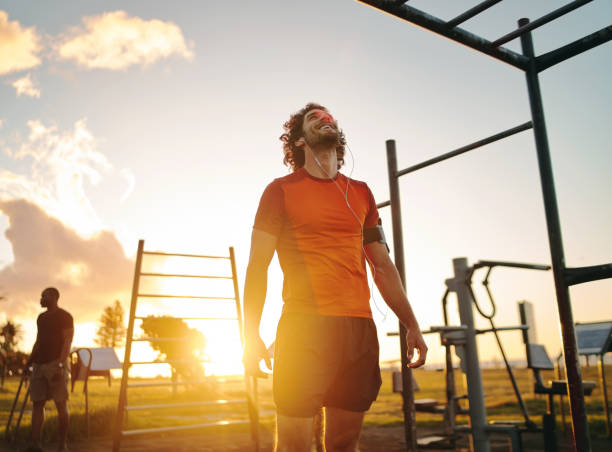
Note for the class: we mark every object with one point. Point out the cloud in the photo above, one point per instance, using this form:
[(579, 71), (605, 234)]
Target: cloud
[(62, 163), (116, 41), (25, 85), (18, 46), (128, 175), (89, 272)]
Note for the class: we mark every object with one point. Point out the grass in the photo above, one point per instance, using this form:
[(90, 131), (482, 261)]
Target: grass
[(386, 411)]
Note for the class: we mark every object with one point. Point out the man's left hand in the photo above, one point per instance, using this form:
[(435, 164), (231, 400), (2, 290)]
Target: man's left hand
[(415, 341)]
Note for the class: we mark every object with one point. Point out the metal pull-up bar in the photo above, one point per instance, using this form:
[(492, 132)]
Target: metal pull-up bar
[(398, 249), (531, 65)]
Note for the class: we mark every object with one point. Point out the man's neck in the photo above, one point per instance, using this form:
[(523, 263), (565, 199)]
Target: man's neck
[(321, 163)]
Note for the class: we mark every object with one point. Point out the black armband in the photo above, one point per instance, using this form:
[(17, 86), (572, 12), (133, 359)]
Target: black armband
[(375, 234)]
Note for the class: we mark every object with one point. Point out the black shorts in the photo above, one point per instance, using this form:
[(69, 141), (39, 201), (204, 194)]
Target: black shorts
[(325, 361)]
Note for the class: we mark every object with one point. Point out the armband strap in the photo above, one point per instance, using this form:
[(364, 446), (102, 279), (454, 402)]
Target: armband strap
[(375, 234)]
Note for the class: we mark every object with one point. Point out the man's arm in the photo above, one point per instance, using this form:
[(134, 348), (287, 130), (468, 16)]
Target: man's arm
[(263, 245), (32, 354), (389, 284), (67, 335)]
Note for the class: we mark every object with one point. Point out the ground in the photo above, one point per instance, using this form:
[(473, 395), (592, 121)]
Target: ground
[(374, 439)]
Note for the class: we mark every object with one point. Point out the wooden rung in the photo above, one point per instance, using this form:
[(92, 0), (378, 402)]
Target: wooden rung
[(181, 427), (183, 404), (199, 256), (154, 295), (180, 383), (193, 318), (172, 275), (171, 361)]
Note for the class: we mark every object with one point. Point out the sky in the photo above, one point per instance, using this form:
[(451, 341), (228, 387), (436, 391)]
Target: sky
[(160, 121)]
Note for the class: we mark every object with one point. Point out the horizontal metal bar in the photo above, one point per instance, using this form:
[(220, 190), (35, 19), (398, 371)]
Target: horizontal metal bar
[(471, 12), (469, 147), (503, 328), (380, 205), (170, 361), (199, 256), (481, 264), (151, 295), (181, 383), (181, 427), (160, 339), (541, 21), (183, 404), (170, 275), (572, 49), (194, 318), (581, 275), (457, 34)]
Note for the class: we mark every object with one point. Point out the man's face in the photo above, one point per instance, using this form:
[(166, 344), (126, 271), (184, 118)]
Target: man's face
[(46, 299), (320, 128)]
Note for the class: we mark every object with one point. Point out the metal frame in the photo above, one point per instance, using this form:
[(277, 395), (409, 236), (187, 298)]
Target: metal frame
[(123, 408), (85, 386), (532, 65)]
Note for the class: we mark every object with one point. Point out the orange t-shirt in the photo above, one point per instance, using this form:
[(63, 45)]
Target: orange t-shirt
[(320, 242)]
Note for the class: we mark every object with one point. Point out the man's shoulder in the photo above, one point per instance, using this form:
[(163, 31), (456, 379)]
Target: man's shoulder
[(358, 183), (288, 178), (64, 313)]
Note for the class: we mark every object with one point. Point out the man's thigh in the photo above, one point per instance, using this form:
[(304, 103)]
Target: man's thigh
[(293, 434), (39, 388), (342, 429)]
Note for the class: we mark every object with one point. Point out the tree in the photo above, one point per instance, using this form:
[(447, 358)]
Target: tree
[(11, 335), (187, 350), (111, 332)]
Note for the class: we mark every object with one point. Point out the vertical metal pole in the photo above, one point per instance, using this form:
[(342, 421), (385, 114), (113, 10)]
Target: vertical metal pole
[(128, 350), (604, 390), (398, 250), (252, 399), (582, 442), (478, 412)]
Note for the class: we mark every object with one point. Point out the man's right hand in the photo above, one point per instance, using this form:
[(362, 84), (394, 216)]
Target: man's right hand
[(254, 351)]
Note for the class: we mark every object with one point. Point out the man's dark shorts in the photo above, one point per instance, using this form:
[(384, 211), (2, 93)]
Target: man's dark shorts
[(325, 361), (49, 381)]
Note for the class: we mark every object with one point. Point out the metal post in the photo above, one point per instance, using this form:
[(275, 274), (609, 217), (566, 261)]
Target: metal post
[(398, 250), (128, 350), (478, 412), (604, 391), (580, 427)]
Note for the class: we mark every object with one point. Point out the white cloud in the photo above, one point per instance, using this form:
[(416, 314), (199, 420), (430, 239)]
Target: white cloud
[(26, 86), (89, 272), (62, 162), (19, 47), (128, 175), (116, 41)]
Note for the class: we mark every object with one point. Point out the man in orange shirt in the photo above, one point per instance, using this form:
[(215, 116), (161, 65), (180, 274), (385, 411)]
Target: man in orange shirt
[(323, 226)]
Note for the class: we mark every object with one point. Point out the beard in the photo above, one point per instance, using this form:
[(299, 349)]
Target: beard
[(320, 139)]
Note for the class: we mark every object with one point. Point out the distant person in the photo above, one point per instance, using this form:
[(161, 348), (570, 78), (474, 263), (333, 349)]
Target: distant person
[(324, 226), (49, 361)]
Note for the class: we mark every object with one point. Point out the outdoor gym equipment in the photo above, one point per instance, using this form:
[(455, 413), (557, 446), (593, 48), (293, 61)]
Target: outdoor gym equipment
[(7, 432), (595, 338), (531, 65), (538, 360), (250, 403), (91, 362), (463, 338)]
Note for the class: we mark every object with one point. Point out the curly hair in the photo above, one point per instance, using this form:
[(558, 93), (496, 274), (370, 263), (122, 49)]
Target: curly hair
[(294, 155)]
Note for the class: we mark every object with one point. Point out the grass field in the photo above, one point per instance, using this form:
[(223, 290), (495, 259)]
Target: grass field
[(386, 411)]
